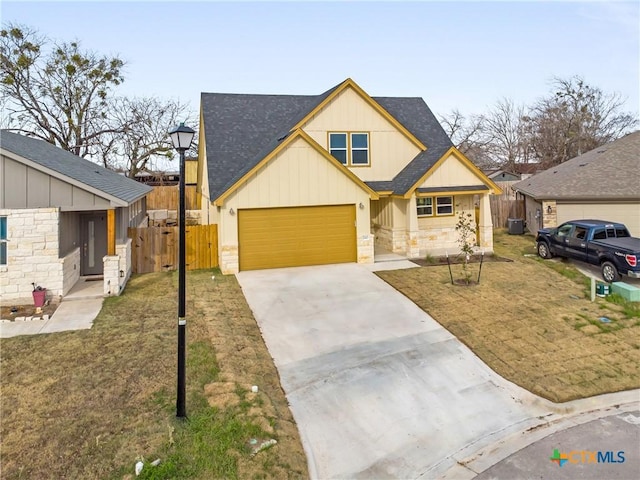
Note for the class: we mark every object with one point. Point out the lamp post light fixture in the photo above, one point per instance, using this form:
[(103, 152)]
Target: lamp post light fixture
[(181, 137)]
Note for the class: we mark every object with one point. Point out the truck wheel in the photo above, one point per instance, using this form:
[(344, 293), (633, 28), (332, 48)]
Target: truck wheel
[(543, 250), (609, 272)]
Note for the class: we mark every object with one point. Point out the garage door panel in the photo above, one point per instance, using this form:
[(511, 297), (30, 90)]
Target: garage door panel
[(285, 237)]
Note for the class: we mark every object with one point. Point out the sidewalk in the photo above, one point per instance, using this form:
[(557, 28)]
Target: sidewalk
[(77, 311)]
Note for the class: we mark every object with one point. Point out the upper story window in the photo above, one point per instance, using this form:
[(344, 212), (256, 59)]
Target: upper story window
[(350, 148), (3, 240)]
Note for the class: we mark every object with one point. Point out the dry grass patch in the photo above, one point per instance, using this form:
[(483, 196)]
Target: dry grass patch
[(88, 404), (533, 323)]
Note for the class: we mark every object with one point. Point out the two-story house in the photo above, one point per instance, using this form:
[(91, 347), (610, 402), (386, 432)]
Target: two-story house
[(304, 180)]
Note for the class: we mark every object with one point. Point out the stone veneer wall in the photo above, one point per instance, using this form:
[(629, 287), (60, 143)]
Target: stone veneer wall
[(393, 240), (71, 270), (437, 241), (365, 249), (32, 254), (229, 259), (113, 281)]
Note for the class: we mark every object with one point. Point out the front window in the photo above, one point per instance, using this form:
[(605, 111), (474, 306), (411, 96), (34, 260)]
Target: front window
[(425, 206), (3, 240), (350, 148), (444, 205)]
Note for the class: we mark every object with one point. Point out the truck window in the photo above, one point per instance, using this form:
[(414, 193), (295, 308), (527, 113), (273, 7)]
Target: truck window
[(564, 230), (600, 234), (580, 233), (622, 232), (611, 233)]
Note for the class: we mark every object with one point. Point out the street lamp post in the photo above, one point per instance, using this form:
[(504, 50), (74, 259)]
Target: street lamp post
[(181, 137)]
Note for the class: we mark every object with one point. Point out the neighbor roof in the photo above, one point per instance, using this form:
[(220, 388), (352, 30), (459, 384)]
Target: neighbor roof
[(606, 172), (240, 130), (67, 166)]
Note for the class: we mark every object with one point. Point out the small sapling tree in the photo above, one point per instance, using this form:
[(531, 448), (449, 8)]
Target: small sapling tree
[(465, 227)]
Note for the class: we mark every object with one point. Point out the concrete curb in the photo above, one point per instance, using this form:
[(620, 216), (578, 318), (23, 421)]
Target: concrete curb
[(473, 460)]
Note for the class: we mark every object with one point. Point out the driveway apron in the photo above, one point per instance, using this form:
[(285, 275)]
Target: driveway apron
[(376, 386)]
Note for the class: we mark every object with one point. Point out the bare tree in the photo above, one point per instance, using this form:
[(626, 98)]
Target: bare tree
[(144, 139), (67, 97), (61, 96), (573, 119), (504, 132), (468, 135)]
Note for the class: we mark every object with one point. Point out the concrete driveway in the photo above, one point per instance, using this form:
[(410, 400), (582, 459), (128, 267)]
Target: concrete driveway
[(377, 387)]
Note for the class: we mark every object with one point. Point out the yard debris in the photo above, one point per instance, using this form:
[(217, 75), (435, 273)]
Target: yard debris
[(139, 467), (254, 389), (255, 448), (605, 319), (156, 462)]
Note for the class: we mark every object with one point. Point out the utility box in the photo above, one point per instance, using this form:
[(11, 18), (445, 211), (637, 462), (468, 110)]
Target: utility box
[(516, 226)]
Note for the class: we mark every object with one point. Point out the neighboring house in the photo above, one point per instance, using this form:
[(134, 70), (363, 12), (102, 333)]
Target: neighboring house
[(62, 217), (502, 175), (504, 179), (303, 180), (603, 183)]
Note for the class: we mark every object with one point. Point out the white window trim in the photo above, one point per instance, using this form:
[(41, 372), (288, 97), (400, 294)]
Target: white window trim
[(350, 149), (438, 214), (345, 149), (359, 149), (418, 207), (434, 207)]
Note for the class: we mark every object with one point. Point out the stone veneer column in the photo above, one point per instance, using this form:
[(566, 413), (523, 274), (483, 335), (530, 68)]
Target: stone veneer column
[(365, 249), (111, 275), (413, 230), (549, 218)]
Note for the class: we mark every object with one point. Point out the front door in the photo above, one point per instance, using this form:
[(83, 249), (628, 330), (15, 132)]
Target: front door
[(93, 238)]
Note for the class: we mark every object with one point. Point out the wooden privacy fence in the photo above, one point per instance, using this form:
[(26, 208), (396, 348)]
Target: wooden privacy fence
[(503, 208), (166, 198), (155, 249)]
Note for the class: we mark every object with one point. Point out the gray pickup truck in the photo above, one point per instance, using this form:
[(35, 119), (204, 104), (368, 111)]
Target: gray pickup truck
[(598, 242)]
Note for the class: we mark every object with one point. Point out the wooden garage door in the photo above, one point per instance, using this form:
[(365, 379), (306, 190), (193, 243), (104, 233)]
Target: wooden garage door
[(291, 237)]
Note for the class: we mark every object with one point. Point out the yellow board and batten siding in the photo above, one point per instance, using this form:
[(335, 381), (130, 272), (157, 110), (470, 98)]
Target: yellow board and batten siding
[(451, 172), (296, 236), (298, 176), (389, 149)]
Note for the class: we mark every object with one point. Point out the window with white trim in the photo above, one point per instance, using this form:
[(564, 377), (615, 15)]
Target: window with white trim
[(424, 206), (350, 148), (3, 240), (443, 206)]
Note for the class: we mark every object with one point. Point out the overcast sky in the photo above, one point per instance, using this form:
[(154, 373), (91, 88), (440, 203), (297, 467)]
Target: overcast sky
[(464, 55)]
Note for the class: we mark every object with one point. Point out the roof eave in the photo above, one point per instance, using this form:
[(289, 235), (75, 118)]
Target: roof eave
[(113, 200)]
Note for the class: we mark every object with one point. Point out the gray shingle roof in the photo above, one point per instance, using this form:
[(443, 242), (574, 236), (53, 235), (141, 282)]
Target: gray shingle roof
[(242, 129), (73, 167), (607, 172)]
